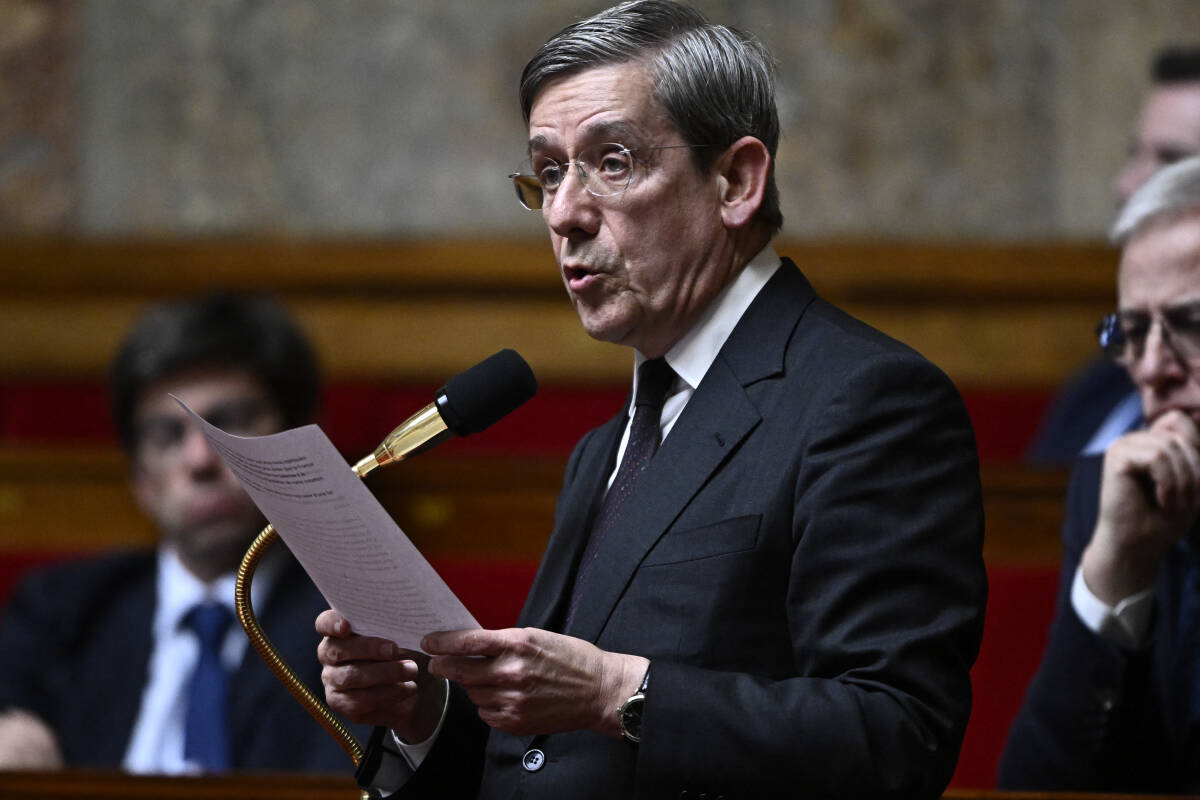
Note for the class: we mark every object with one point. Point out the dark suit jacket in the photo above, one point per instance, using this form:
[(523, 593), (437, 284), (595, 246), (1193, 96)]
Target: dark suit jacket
[(1078, 411), (75, 647), (801, 563), (1095, 717)]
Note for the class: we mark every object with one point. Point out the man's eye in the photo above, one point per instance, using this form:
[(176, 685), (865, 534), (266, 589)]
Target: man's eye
[(1185, 319), (1135, 329), (161, 434), (237, 418), (614, 163), (550, 175)]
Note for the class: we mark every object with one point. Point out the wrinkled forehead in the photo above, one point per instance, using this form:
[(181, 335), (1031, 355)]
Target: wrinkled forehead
[(607, 103)]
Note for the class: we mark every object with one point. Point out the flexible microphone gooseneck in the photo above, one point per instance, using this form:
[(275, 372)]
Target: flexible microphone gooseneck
[(468, 403)]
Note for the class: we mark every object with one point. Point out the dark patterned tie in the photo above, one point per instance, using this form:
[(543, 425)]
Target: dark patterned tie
[(206, 726), (654, 379)]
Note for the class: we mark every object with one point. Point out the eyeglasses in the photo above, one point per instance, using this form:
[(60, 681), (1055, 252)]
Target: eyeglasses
[(160, 435), (604, 170), (1122, 335)]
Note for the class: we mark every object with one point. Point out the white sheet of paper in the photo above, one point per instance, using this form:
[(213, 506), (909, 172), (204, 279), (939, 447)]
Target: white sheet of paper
[(355, 553)]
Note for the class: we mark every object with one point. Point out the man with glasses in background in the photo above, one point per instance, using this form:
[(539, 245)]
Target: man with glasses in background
[(765, 576), (1099, 403), (1115, 705), (134, 660)]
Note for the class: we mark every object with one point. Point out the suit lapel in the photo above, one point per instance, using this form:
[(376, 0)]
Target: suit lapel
[(545, 605), (712, 425), (127, 641)]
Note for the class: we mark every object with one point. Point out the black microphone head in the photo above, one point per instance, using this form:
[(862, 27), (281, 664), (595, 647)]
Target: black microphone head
[(474, 399)]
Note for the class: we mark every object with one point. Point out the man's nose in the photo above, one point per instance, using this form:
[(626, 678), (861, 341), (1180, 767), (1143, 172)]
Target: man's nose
[(1159, 365), (572, 209)]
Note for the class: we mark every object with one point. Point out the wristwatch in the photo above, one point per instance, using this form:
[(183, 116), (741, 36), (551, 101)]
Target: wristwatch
[(629, 715)]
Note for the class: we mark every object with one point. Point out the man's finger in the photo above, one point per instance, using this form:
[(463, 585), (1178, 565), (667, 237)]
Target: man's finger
[(470, 642), (331, 623)]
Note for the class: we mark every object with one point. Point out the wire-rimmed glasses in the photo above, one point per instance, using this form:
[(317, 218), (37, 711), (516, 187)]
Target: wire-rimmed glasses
[(604, 170), (1122, 334)]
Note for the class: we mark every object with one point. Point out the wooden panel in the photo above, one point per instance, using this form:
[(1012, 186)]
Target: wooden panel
[(106, 785), (990, 314), (464, 506), (467, 507), (899, 270), (98, 785)]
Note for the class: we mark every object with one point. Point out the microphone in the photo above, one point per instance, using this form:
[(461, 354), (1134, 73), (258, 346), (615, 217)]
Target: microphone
[(468, 403)]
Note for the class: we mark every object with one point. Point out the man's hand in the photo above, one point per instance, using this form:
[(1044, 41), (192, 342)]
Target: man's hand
[(26, 742), (1149, 499), (371, 680), (528, 681)]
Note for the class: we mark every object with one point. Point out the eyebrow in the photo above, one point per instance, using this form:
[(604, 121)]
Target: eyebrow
[(1183, 305), (618, 130)]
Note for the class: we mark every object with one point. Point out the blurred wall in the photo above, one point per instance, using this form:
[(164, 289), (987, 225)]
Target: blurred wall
[(935, 119)]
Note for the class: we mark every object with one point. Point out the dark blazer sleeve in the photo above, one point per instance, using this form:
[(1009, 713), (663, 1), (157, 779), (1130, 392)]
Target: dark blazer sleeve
[(454, 765), (1090, 720), (74, 649), (802, 564)]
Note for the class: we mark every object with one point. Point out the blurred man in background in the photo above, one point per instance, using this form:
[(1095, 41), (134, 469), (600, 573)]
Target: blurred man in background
[(135, 659)]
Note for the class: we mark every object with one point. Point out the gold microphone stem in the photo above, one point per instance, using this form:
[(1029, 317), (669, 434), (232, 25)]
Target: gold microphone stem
[(245, 611), (420, 432)]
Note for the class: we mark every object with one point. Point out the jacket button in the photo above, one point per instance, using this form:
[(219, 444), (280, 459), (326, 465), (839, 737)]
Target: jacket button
[(533, 760)]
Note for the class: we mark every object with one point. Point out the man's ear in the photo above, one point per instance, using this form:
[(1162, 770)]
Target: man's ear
[(142, 488), (742, 180)]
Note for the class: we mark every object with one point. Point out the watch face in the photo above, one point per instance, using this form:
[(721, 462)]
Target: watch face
[(631, 718)]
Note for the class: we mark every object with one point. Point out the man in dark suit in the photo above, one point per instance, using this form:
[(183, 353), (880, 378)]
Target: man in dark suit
[(1115, 705), (785, 596), (97, 656)]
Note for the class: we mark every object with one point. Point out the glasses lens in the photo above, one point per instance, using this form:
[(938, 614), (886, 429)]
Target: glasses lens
[(1184, 322), (609, 168), (529, 191), (1111, 336)]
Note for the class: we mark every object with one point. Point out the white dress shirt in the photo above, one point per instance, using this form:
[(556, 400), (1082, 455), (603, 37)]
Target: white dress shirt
[(156, 743)]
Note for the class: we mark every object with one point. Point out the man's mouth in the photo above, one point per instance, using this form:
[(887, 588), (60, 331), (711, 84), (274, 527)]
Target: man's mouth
[(579, 278), (577, 273)]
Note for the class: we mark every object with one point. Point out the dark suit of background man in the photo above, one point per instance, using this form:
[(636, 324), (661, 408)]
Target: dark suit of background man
[(1098, 403), (1115, 705), (790, 596), (96, 656)]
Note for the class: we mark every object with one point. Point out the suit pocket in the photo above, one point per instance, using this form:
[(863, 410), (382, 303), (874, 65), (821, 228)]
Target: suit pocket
[(721, 538)]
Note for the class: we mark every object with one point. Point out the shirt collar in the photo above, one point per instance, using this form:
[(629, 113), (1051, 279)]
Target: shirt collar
[(179, 590), (696, 351)]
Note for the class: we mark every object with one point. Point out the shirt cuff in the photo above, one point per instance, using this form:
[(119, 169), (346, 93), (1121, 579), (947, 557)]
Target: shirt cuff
[(1125, 624), (414, 754)]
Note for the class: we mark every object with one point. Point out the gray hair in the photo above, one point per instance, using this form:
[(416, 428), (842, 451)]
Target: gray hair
[(716, 84), (1171, 193)]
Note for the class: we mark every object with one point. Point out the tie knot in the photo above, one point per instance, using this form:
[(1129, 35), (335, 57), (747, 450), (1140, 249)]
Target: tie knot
[(655, 377), (209, 620)]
